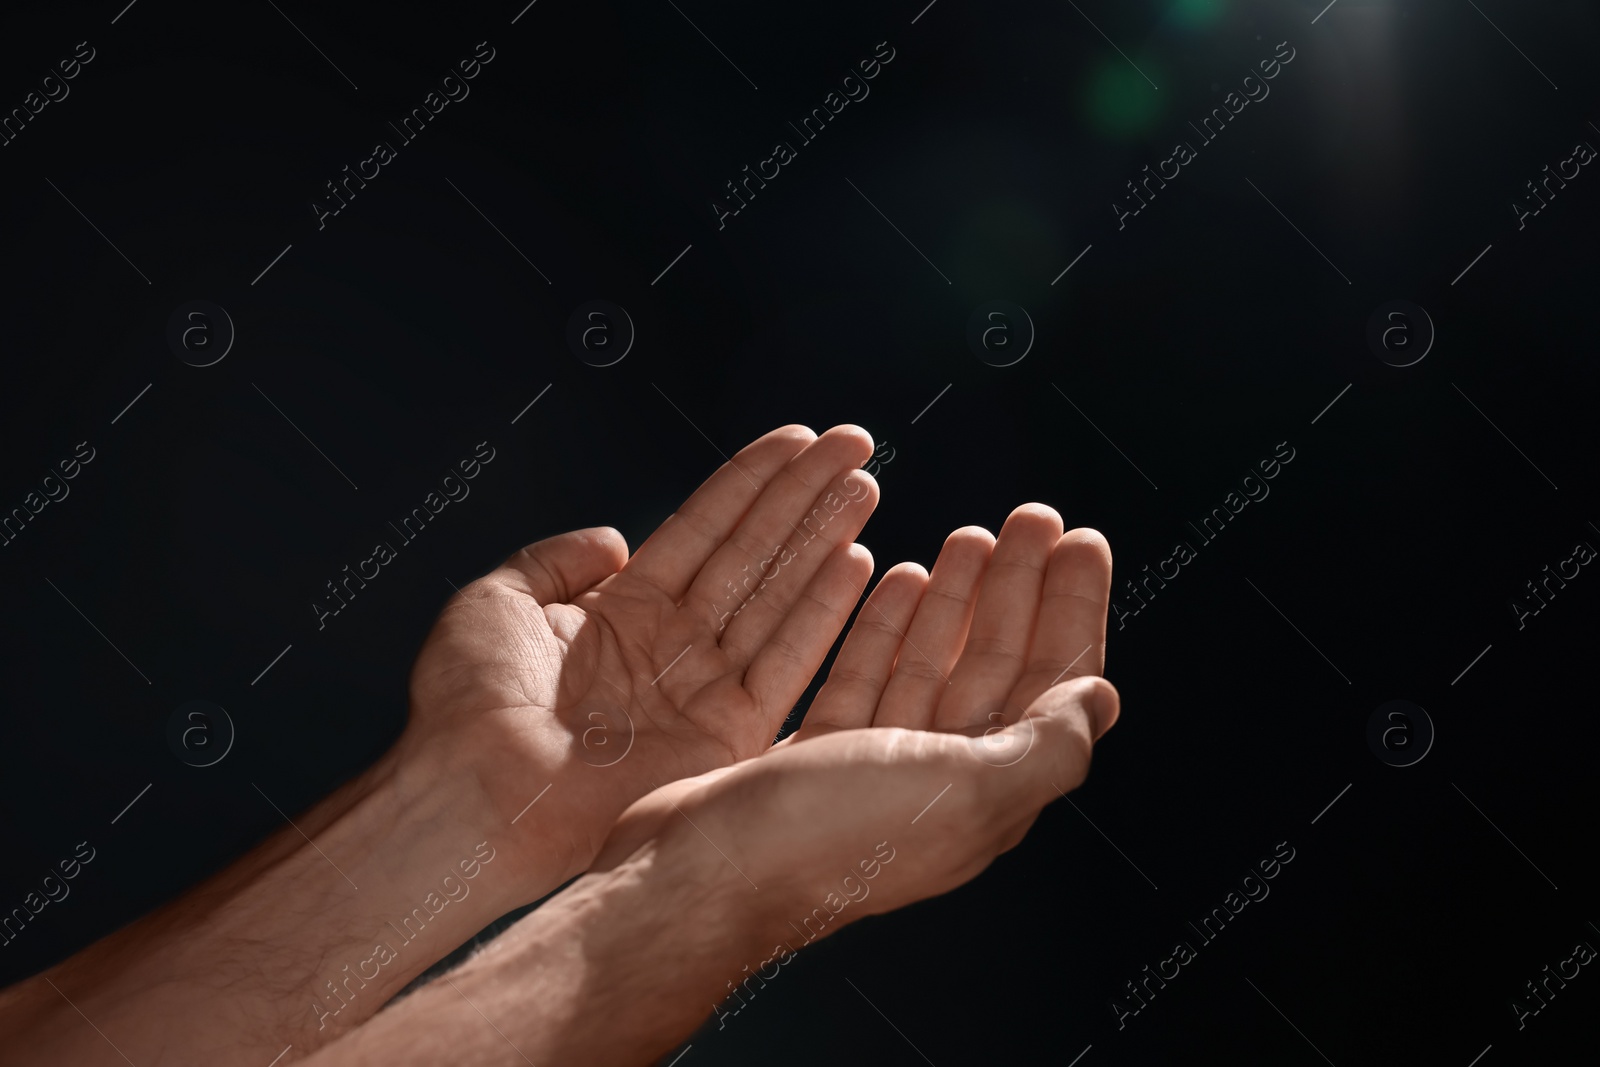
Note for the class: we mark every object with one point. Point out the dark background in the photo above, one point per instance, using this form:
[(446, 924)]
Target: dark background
[(1197, 338)]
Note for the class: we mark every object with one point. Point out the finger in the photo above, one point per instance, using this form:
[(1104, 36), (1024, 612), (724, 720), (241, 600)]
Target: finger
[(1002, 621), (756, 604), (1060, 728), (678, 549), (849, 697), (934, 639), (558, 569), (787, 513), (1070, 639), (780, 672)]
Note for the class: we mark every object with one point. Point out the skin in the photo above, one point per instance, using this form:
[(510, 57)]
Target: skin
[(705, 879), (580, 679)]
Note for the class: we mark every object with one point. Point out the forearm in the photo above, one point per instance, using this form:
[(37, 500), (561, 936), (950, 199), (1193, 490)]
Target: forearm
[(297, 942), (616, 969)]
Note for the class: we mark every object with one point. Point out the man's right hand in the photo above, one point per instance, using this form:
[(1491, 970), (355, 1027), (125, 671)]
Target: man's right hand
[(944, 725)]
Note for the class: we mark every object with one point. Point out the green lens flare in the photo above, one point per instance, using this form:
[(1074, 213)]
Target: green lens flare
[(1192, 14), (1119, 102)]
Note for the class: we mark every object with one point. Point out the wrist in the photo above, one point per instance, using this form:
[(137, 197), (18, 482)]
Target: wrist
[(547, 841), (622, 965)]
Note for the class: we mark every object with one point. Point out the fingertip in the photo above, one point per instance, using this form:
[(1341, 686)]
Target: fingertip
[(868, 485), (609, 537), (858, 554), (794, 431), (1104, 703), (967, 535), (1038, 515), (907, 570), (1086, 541), (850, 429)]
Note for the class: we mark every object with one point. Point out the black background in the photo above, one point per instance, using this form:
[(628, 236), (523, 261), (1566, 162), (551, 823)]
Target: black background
[(1196, 338)]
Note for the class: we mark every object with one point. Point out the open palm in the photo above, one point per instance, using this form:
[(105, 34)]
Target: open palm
[(967, 649), (578, 671)]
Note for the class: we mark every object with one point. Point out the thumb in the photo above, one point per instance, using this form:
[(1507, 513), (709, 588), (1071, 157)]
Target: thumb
[(557, 569), (1059, 729)]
